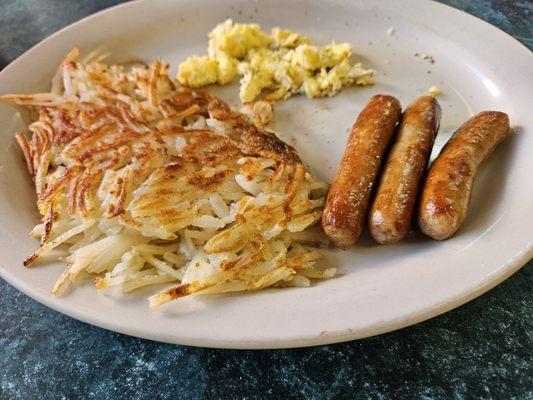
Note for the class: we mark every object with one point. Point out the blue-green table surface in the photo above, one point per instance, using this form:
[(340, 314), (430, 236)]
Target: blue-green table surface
[(482, 350)]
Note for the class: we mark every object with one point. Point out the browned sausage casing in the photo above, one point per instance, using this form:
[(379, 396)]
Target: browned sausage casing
[(448, 187), (392, 210), (348, 197)]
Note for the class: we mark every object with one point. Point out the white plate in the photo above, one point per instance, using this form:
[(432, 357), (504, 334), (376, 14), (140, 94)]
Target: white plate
[(380, 288)]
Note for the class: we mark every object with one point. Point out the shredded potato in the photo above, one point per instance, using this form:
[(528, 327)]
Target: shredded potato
[(150, 183)]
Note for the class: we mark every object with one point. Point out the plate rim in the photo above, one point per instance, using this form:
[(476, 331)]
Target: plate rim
[(511, 266)]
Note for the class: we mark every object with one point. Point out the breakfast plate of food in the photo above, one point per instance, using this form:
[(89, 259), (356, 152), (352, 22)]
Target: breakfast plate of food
[(222, 174)]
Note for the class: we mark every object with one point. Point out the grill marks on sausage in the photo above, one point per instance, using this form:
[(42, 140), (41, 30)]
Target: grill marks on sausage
[(448, 188), (349, 195), (394, 204)]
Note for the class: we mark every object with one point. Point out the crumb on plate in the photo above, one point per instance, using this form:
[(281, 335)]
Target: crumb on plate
[(434, 91)]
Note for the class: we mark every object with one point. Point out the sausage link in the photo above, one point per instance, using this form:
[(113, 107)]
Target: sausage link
[(391, 213), (347, 201), (448, 188)]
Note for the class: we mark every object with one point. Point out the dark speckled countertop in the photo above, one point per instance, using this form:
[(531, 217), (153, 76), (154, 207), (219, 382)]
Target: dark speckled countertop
[(482, 350)]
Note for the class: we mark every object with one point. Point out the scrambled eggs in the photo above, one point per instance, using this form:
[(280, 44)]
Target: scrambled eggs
[(273, 66)]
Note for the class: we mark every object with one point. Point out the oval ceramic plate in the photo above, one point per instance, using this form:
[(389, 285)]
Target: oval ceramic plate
[(379, 288)]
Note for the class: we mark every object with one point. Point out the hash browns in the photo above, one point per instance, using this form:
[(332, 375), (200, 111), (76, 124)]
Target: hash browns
[(148, 182)]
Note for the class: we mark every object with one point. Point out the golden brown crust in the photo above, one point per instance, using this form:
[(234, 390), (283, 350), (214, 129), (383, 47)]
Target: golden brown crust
[(448, 187), (392, 210), (348, 198), (93, 151)]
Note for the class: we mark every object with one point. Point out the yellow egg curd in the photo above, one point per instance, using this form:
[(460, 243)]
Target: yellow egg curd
[(274, 66)]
